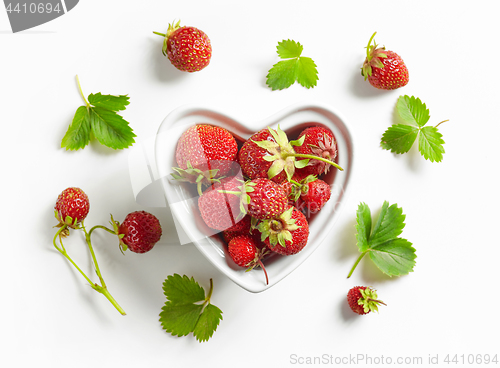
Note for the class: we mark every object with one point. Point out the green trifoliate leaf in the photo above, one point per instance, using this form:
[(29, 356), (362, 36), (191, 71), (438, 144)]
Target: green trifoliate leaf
[(392, 255), (413, 111), (187, 309), (294, 67), (78, 134), (399, 138), (99, 119), (430, 144)]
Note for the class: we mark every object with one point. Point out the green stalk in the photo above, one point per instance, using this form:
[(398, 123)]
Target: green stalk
[(312, 157), (160, 34), (356, 264), (81, 92), (368, 47)]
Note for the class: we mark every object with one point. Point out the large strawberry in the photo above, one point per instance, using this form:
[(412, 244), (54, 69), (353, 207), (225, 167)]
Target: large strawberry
[(313, 195), (187, 48), (269, 154), (203, 153), (72, 206), (384, 69), (220, 210), (286, 234), (318, 141)]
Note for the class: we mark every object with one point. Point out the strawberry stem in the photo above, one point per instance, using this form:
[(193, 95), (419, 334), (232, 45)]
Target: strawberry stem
[(368, 54), (81, 92), (356, 264), (259, 262), (377, 301), (312, 157), (444, 121), (160, 34)]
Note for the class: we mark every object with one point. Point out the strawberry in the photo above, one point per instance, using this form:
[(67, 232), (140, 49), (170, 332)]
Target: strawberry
[(72, 207), (187, 48), (245, 253), (319, 141), (220, 210), (314, 194), (139, 232), (242, 227), (363, 300), (384, 69), (203, 153), (286, 234)]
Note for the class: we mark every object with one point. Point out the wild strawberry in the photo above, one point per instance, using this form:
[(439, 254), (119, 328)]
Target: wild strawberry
[(242, 227), (72, 207), (245, 253), (314, 193), (363, 300), (319, 141), (187, 48), (384, 69), (286, 234), (220, 210), (139, 232), (204, 152)]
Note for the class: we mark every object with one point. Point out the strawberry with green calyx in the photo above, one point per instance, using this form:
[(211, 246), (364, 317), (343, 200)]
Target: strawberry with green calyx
[(363, 300), (244, 252), (261, 198), (269, 154), (319, 141), (73, 204), (314, 193), (72, 207), (384, 69), (139, 231), (286, 234), (188, 48), (204, 153)]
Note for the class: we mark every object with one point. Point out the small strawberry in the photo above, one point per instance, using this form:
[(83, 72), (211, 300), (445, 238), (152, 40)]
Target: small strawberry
[(245, 253), (187, 48), (384, 69), (319, 141), (139, 232), (72, 207), (286, 234), (314, 193), (219, 210), (363, 300), (203, 153)]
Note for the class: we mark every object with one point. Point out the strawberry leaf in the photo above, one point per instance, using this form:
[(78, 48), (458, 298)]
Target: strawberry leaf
[(187, 309), (111, 129), (399, 138), (394, 256), (294, 67), (78, 134)]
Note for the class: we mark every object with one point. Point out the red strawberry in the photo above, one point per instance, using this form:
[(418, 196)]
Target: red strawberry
[(286, 234), (245, 253), (72, 207), (141, 231), (265, 199), (187, 48), (219, 210), (363, 300), (242, 227), (384, 69), (204, 152), (313, 196), (321, 142)]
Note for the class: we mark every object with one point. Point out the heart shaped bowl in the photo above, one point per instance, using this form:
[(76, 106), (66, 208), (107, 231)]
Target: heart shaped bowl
[(182, 197)]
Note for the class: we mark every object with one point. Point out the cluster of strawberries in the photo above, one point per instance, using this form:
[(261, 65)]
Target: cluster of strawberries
[(258, 193)]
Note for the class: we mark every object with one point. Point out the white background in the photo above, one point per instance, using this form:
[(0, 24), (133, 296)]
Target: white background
[(448, 305)]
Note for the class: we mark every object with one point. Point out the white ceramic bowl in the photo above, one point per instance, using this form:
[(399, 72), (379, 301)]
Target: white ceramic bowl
[(183, 198)]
